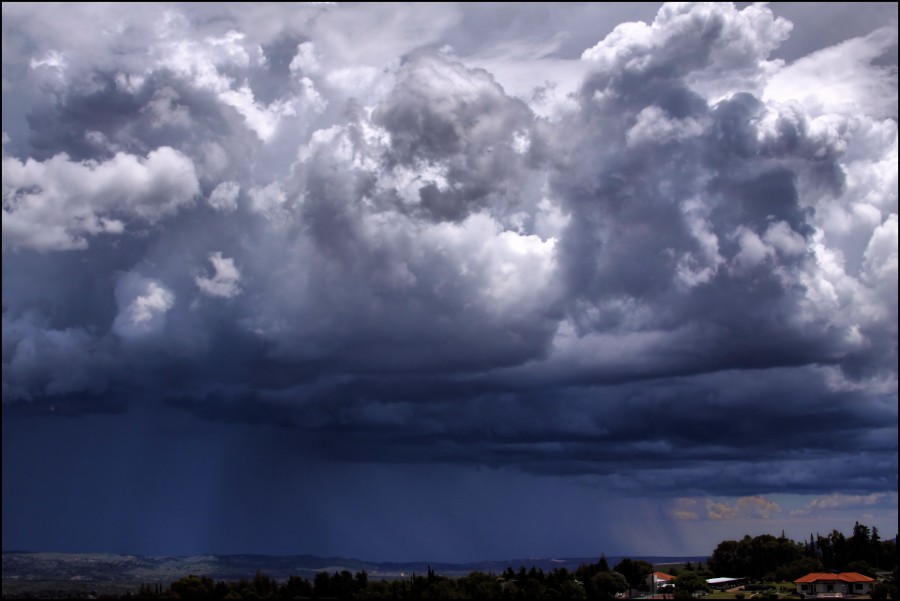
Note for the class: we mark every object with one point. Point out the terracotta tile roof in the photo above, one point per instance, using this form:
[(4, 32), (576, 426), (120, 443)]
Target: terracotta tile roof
[(855, 577), (843, 576), (662, 576)]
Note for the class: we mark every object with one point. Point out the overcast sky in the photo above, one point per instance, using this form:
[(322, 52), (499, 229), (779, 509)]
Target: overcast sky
[(447, 282)]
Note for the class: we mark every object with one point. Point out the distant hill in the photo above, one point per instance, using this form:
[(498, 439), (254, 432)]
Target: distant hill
[(99, 567)]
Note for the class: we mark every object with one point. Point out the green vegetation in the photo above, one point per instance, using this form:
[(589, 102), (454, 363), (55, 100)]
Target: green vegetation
[(886, 589), (691, 582), (766, 557), (635, 572), (533, 584), (771, 562), (590, 581)]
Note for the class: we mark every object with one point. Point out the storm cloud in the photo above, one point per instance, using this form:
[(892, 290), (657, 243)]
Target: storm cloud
[(646, 255)]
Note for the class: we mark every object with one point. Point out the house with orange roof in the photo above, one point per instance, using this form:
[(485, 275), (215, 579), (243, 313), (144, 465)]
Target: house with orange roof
[(659, 580), (821, 584)]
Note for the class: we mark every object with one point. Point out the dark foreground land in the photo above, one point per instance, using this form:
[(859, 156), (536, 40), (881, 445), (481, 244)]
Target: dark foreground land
[(67, 589), (60, 575), (769, 566)]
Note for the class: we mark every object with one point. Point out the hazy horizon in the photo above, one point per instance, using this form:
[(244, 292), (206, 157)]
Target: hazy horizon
[(589, 558)]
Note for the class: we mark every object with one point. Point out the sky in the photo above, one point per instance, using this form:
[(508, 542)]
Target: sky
[(447, 282)]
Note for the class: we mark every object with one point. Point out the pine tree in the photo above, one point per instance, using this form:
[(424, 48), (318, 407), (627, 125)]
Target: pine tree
[(603, 565)]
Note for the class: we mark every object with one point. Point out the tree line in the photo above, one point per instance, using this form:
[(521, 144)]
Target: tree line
[(767, 557), (589, 581), (760, 558)]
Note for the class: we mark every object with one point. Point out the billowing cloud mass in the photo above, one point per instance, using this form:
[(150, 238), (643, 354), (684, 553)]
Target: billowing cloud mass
[(648, 254), (54, 205)]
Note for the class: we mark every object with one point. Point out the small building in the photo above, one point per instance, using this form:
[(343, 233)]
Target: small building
[(820, 584), (658, 581)]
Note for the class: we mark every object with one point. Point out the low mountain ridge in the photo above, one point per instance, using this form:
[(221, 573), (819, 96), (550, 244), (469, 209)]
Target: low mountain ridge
[(106, 567)]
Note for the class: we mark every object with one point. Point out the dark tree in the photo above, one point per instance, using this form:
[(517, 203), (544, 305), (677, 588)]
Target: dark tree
[(193, 587), (635, 572), (689, 582), (606, 584)]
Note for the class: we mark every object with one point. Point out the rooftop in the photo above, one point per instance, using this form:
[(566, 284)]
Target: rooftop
[(843, 576)]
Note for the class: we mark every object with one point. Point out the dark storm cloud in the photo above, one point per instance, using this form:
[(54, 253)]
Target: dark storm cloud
[(677, 279), (717, 434)]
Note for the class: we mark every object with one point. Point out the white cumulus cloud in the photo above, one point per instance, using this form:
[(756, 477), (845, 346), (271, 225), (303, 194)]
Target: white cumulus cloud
[(225, 281)]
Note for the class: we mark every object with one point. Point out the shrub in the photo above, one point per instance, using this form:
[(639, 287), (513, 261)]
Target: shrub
[(757, 587)]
